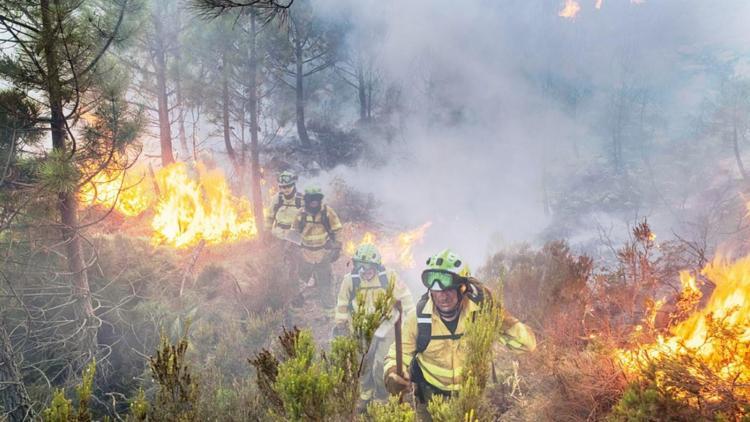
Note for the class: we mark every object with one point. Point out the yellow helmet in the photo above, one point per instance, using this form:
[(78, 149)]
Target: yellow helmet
[(445, 270)]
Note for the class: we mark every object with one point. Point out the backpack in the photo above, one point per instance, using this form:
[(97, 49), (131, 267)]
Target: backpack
[(323, 220), (280, 202), (357, 281)]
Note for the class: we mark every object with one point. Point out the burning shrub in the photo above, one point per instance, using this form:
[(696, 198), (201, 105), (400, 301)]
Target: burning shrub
[(703, 362)]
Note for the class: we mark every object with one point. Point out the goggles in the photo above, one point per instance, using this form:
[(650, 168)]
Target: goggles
[(363, 265), (440, 280), (286, 180)]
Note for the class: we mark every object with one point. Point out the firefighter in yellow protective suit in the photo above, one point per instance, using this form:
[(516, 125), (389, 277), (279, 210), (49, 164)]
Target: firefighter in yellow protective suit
[(318, 226), (372, 278), (285, 206), (433, 351), (279, 221)]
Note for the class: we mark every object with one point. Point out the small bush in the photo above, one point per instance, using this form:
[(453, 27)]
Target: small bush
[(62, 410)]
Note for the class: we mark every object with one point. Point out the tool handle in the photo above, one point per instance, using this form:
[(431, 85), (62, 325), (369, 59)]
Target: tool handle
[(399, 346)]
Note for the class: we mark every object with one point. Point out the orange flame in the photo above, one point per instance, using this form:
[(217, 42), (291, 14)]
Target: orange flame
[(189, 208), (696, 336), (126, 192), (397, 249), (570, 9)]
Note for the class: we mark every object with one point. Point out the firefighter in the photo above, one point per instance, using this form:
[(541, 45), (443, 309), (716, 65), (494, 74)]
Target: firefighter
[(318, 226), (372, 278), (432, 347), (285, 207)]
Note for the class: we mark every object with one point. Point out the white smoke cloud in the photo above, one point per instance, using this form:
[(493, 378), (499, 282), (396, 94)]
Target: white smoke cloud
[(479, 178)]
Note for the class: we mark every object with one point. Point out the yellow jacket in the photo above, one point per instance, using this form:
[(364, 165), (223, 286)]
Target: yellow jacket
[(283, 212), (314, 233), (347, 299), (443, 360)]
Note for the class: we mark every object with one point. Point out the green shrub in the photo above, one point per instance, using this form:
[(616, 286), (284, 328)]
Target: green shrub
[(303, 383), (178, 390), (61, 409), (390, 411), (647, 403)]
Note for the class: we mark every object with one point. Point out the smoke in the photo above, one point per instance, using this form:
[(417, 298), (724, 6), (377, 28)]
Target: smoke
[(484, 122)]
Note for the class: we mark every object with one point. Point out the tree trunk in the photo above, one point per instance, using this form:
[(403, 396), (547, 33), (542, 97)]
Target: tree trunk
[(178, 92), (160, 67), (14, 400), (225, 114), (300, 91), (361, 91), (617, 129), (67, 201), (369, 99), (257, 195), (737, 155)]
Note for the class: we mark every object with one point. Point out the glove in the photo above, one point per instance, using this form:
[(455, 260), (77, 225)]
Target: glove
[(334, 250), (396, 384)]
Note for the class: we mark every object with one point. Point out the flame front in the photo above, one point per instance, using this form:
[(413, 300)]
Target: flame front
[(704, 333), (570, 9), (191, 210), (123, 191), (190, 206)]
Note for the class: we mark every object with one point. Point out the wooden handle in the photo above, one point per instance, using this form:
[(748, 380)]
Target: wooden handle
[(399, 348)]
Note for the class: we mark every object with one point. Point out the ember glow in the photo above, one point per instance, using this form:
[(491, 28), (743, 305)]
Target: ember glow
[(570, 9), (396, 249), (704, 333)]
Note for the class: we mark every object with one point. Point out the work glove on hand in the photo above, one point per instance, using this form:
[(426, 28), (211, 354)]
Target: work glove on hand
[(396, 384), (334, 248)]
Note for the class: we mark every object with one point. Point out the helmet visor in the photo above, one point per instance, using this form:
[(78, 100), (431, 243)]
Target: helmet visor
[(438, 280), (364, 265), (286, 180)]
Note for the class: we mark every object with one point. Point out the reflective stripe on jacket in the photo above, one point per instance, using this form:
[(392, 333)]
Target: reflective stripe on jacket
[(286, 210), (442, 360), (314, 234)]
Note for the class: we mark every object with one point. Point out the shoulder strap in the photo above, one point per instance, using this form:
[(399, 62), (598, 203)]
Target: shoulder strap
[(357, 282), (302, 221), (383, 277), (424, 325), (325, 221), (277, 205)]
